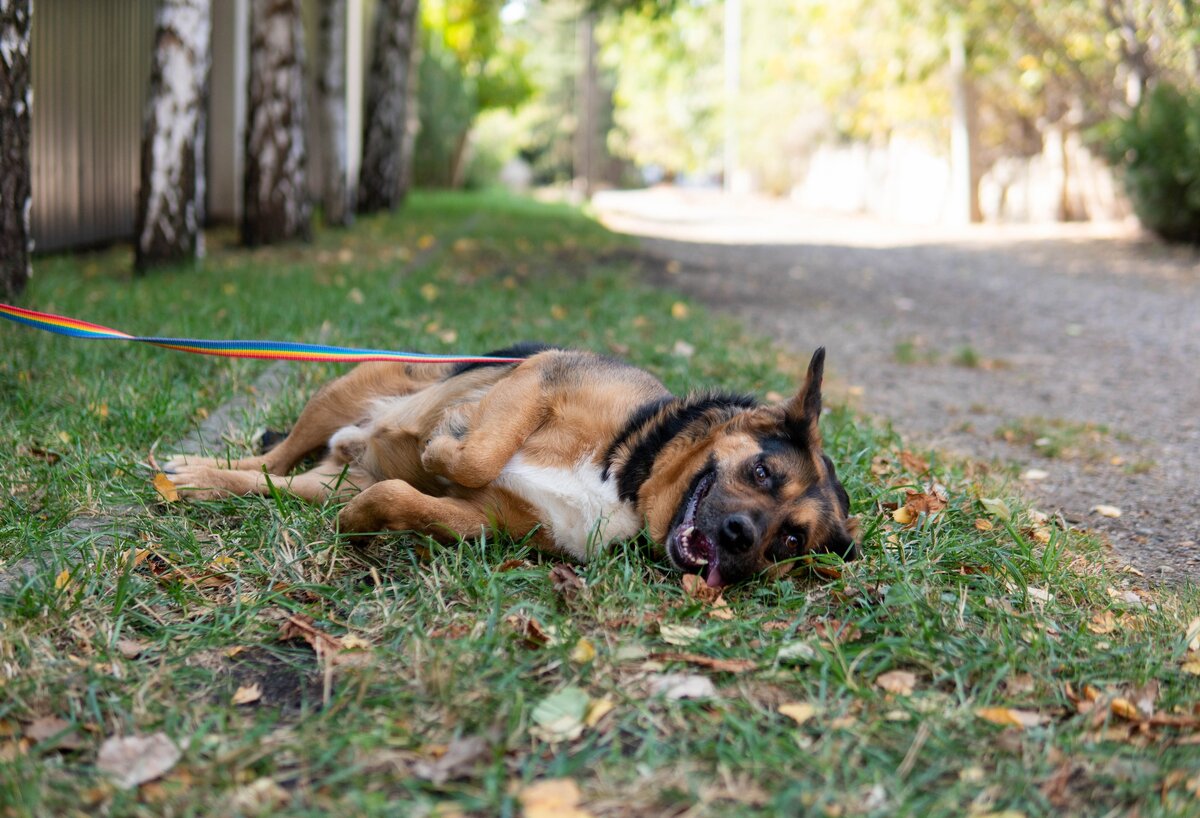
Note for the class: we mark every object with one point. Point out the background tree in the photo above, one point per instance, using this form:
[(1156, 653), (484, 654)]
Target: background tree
[(276, 206), (380, 182), (16, 98), (337, 194), (170, 210), (468, 67)]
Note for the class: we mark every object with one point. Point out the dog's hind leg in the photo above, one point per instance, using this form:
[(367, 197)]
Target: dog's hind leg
[(394, 505), (327, 480), (342, 402)]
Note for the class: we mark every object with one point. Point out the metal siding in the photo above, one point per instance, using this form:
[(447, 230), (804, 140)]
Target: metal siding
[(91, 71)]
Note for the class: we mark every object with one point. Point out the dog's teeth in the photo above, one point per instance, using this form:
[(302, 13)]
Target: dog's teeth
[(687, 532)]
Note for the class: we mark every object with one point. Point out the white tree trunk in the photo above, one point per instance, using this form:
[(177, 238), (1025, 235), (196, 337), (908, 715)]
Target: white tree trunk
[(381, 182), (276, 204), (336, 194), (170, 214), (16, 100)]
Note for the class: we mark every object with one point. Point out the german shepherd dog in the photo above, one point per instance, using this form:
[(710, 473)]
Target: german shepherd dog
[(575, 449)]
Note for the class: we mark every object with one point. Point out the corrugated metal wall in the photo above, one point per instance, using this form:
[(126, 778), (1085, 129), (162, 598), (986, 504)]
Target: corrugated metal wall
[(91, 71)]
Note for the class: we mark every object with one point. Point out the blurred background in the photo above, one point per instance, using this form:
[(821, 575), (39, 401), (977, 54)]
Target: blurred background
[(152, 115)]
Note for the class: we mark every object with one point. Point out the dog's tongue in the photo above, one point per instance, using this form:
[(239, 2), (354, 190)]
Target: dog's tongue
[(714, 578)]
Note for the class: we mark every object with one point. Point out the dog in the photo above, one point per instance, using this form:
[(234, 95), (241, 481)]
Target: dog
[(570, 448)]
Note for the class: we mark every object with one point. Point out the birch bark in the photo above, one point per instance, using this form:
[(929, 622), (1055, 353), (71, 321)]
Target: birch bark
[(16, 100), (276, 205), (170, 212), (381, 183), (336, 196)]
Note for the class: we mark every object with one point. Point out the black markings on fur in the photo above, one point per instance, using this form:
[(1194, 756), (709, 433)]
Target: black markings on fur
[(690, 416), (524, 349)]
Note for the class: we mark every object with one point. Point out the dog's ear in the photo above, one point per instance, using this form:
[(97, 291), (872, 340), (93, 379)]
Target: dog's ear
[(803, 411)]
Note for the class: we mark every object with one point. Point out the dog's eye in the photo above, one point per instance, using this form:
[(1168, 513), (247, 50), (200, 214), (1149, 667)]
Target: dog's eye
[(761, 474), (793, 542)]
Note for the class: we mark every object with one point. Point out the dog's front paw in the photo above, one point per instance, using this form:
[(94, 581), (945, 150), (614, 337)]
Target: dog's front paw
[(441, 454)]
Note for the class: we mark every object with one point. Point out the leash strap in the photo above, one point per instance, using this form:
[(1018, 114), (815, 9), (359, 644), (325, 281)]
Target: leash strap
[(270, 350)]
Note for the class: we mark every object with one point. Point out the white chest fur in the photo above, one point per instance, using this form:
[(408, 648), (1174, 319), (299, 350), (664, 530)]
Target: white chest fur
[(582, 511)]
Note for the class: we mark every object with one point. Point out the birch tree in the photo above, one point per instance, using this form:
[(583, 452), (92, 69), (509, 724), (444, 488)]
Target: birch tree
[(276, 206), (380, 182), (16, 99), (337, 195), (170, 208)]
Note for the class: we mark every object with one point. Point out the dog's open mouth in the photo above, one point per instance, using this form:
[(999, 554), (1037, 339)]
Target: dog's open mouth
[(690, 548)]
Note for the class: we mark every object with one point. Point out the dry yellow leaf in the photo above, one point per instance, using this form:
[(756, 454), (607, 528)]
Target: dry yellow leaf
[(1192, 636), (429, 292), (983, 525), (1107, 511), (63, 580), (558, 312), (597, 709), (1012, 717), (425, 242), (353, 641), (1191, 667), (165, 488), (1125, 709), (798, 712), (552, 798), (1103, 622), (900, 682), (583, 652), (679, 310), (247, 694), (904, 515)]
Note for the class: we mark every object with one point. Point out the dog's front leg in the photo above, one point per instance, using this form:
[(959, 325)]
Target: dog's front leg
[(475, 441), (395, 505)]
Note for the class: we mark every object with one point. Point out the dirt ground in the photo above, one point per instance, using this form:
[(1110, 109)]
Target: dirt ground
[(1070, 350)]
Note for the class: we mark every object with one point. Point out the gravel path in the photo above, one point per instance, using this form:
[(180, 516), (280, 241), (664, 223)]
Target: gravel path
[(1082, 342)]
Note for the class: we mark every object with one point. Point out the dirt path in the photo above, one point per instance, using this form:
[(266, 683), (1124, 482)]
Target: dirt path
[(1071, 350)]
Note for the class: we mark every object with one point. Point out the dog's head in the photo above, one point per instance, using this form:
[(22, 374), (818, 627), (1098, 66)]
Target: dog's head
[(767, 495)]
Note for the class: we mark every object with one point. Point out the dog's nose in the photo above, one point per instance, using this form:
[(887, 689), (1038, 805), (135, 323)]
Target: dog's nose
[(737, 533)]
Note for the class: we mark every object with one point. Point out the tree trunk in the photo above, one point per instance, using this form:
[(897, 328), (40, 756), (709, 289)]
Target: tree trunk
[(170, 211), (964, 135), (336, 195), (276, 205), (412, 127), (381, 183), (16, 98)]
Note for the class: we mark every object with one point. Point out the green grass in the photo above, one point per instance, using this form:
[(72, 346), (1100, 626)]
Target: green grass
[(151, 624)]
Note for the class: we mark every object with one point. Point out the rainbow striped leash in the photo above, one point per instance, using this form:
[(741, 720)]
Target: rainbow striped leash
[(270, 350)]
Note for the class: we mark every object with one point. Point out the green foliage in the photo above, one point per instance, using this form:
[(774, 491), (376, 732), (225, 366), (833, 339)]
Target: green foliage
[(1158, 148), (469, 66)]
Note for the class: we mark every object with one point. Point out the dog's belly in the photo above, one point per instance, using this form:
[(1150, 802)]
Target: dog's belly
[(581, 510)]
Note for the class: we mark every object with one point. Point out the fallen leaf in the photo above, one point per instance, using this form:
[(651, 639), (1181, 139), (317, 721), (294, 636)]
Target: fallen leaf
[(131, 648), (837, 632), (679, 634), (246, 694), (1012, 717), (597, 709), (134, 760), (552, 798), (47, 728), (900, 682), (425, 242), (583, 652), (982, 524), (301, 626), (355, 295), (679, 310), (533, 632), (695, 587), (511, 565), (566, 583), (683, 349), (798, 712), (996, 507), (1191, 636), (1125, 709), (1034, 475), (1107, 511), (429, 292), (913, 463), (796, 652), (1103, 622), (682, 686), (63, 580), (721, 665), (559, 716), (167, 490), (262, 796), (458, 761), (1191, 666), (558, 312)]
